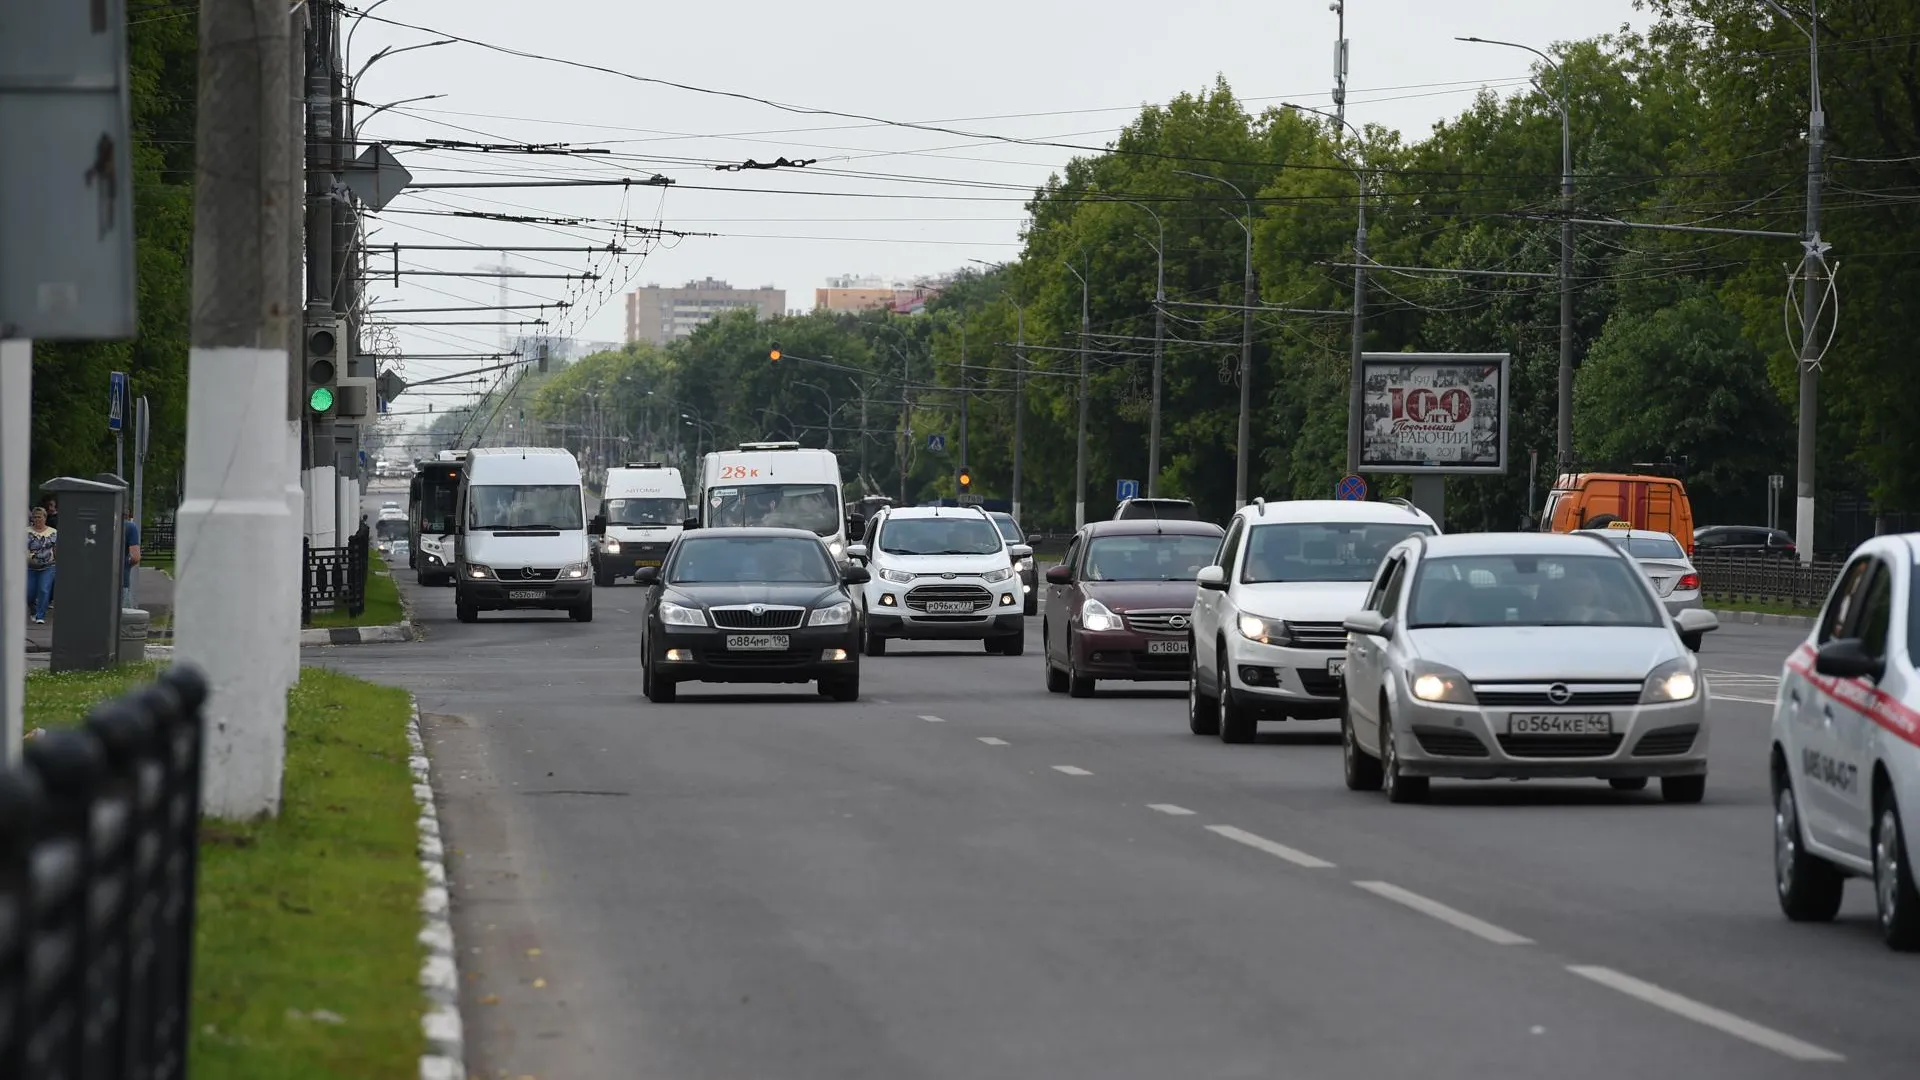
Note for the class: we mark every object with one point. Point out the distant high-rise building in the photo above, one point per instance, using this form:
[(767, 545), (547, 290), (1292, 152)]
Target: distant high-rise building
[(664, 315)]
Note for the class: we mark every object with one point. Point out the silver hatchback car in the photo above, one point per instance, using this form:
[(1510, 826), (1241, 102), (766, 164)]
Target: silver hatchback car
[(1522, 655)]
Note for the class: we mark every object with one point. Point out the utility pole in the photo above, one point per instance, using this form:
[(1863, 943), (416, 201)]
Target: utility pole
[(906, 423), (1019, 401), (1243, 448), (965, 461), (233, 521), (1813, 276), (1080, 457)]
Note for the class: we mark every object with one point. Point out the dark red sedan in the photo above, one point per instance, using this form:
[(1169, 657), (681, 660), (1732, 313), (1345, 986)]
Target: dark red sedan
[(1120, 604)]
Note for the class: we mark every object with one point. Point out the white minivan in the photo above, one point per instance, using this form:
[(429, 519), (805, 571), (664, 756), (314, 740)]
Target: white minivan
[(521, 534), (642, 509), (778, 485)]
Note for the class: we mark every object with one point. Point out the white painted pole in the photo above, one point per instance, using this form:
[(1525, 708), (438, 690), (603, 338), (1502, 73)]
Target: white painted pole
[(293, 575), (16, 407)]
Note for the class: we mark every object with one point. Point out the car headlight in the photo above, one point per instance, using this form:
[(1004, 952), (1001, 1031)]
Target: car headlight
[(1436, 682), (1001, 574), (611, 547), (1264, 631), (839, 614), (1023, 566), (837, 548), (673, 614), (1095, 615), (575, 572), (898, 577), (478, 572), (1675, 680)]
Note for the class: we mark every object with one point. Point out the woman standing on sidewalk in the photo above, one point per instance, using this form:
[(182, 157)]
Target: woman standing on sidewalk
[(41, 542)]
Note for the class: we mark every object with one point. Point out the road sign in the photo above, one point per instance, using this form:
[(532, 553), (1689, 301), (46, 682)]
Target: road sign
[(375, 177), (117, 401), (1126, 489), (1351, 489), (970, 500), (937, 443), (1776, 481)]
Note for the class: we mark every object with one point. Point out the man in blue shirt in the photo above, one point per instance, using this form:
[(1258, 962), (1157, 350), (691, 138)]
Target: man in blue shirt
[(129, 559)]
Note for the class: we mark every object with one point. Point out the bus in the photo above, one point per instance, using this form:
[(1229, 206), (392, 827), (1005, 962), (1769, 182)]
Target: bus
[(779, 484), (430, 525)]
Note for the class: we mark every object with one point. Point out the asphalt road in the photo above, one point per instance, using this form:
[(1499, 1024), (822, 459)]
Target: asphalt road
[(963, 876)]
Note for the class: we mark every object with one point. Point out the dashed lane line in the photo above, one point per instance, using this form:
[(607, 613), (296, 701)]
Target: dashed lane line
[(1453, 917), (1700, 1013), (1071, 770), (1279, 851), (1170, 809), (934, 719), (991, 741)]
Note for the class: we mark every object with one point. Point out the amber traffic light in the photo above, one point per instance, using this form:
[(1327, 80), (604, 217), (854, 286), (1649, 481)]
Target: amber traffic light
[(965, 479)]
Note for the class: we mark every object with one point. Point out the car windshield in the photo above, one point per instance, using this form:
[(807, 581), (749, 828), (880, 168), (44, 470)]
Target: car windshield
[(1321, 551), (524, 506), (1656, 546), (1162, 557), (1530, 590), (390, 529), (1009, 528), (958, 535), (645, 511), (813, 507), (786, 560)]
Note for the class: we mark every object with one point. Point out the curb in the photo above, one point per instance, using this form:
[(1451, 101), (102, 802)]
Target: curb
[(357, 635), (1757, 618), (445, 1058)]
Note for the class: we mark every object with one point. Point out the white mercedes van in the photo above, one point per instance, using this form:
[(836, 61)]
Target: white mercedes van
[(642, 509), (521, 536)]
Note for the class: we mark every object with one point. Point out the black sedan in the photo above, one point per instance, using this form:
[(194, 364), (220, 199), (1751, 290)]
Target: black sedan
[(750, 606)]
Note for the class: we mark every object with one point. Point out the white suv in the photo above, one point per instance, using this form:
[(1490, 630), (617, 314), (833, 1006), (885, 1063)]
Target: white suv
[(1846, 747), (941, 574), (1268, 639)]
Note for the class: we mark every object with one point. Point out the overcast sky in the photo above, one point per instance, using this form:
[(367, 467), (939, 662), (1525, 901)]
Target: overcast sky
[(890, 205)]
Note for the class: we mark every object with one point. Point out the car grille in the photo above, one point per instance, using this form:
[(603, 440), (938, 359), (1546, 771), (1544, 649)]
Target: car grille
[(1318, 635), (739, 618), (1559, 746), (1667, 742), (524, 573), (1446, 742), (919, 597), (1159, 622), (1317, 682), (1583, 697)]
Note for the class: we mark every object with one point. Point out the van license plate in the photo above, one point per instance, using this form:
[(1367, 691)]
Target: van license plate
[(1560, 724), (950, 607), (757, 642), (1337, 667), (1166, 648), (526, 594)]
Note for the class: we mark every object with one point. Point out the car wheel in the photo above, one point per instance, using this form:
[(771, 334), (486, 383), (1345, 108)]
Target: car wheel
[(843, 688), (582, 612), (1362, 769), (1400, 787), (464, 610), (1894, 892), (1203, 713), (1078, 685), (1014, 644), (1684, 789), (602, 578), (875, 644), (1809, 887), (1628, 783), (1237, 724), (992, 644), (1033, 604), (661, 690)]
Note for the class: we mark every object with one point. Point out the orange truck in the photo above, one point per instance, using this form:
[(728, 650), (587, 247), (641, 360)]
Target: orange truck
[(1597, 499)]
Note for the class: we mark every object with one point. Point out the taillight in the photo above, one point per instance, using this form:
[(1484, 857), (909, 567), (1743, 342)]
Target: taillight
[(1688, 582)]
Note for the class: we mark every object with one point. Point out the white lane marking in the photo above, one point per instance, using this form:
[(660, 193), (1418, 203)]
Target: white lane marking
[(933, 719), (1071, 770), (991, 741), (1776, 1041), (1453, 917), (1261, 843), (1169, 808), (1747, 700)]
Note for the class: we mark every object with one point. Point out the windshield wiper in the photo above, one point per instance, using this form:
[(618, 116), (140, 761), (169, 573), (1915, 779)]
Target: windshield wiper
[(521, 528)]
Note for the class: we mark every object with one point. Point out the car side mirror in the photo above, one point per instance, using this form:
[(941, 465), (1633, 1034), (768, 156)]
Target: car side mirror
[(647, 575), (858, 551), (1847, 658), (856, 526), (1212, 577), (1033, 540), (598, 526), (690, 524), (1020, 551), (1368, 622), (855, 575), (1059, 574), (1696, 621)]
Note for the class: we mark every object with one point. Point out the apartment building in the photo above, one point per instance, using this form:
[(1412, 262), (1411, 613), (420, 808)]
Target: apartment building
[(665, 315), (854, 294)]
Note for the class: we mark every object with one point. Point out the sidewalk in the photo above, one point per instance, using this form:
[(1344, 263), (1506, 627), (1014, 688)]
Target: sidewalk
[(152, 590)]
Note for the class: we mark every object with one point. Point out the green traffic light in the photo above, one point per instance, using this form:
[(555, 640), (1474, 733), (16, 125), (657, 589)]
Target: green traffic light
[(321, 399)]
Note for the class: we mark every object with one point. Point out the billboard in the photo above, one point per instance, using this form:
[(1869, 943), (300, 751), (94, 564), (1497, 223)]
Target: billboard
[(1434, 413)]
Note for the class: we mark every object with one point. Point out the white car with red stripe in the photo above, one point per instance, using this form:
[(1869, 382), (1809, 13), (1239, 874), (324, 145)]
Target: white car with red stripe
[(1846, 747)]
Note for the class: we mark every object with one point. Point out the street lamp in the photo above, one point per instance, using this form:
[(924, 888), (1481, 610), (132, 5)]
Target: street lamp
[(1243, 445), (1564, 451), (1080, 457), (1356, 387), (1159, 337), (1019, 385)]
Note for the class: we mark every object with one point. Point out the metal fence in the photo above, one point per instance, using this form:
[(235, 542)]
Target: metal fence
[(335, 578), (1767, 578), (156, 540), (99, 850)]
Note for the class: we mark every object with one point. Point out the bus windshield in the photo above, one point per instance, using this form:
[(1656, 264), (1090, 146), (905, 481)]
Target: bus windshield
[(814, 507), (432, 511)]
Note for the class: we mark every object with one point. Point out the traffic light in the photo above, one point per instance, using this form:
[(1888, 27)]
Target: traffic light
[(773, 354), (964, 478), (322, 373)]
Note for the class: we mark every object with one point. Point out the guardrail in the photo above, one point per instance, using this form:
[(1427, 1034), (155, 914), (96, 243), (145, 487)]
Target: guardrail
[(335, 577), (1767, 578), (99, 857)]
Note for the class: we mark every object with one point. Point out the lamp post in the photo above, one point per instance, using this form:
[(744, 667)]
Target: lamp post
[(1159, 339), (1564, 450), (1080, 457), (1356, 385), (1242, 446)]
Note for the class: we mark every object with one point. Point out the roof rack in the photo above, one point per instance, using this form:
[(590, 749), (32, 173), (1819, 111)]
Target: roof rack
[(1260, 505), (769, 446), (1402, 504), (645, 465)]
